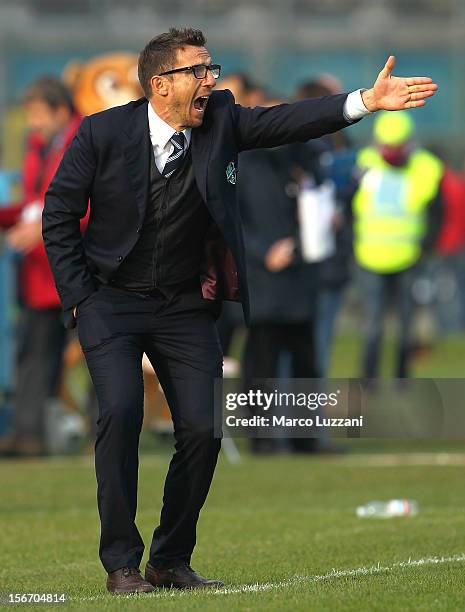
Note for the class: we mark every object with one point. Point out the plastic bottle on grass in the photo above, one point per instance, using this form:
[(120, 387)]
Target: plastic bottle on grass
[(388, 509)]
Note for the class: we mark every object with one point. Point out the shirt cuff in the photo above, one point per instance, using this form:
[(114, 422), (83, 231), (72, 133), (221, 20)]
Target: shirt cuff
[(354, 108)]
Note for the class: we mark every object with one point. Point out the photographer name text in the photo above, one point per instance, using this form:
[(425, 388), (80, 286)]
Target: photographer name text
[(284, 421)]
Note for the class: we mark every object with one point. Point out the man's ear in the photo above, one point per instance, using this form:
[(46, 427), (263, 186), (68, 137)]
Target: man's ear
[(159, 85)]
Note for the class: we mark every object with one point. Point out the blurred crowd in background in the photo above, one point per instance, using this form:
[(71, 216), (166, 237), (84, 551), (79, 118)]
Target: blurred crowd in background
[(334, 230)]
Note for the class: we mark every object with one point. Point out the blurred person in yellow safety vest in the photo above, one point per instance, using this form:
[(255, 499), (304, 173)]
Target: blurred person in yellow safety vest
[(397, 215)]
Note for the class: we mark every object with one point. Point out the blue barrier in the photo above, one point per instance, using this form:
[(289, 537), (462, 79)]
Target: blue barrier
[(7, 307)]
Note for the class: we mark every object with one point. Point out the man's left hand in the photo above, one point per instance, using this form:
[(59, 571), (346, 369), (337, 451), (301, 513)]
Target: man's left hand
[(25, 235), (397, 93)]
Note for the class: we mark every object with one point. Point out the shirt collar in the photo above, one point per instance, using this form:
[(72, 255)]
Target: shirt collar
[(160, 131)]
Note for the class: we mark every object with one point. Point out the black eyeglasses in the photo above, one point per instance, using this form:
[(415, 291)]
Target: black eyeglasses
[(199, 70)]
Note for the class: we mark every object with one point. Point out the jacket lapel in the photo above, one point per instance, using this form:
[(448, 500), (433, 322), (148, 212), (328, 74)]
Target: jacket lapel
[(201, 148), (136, 148)]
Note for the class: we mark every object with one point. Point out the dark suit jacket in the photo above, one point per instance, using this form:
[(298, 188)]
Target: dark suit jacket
[(108, 163), (269, 213)]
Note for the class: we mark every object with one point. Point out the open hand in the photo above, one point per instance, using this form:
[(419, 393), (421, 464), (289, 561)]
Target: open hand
[(397, 93)]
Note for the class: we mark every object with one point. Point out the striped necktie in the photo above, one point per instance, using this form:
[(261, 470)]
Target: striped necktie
[(175, 159)]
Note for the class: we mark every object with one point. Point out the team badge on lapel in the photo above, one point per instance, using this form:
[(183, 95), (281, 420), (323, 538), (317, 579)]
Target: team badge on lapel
[(231, 173)]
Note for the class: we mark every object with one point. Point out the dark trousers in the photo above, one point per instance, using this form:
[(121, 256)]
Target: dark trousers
[(266, 342), (39, 366), (378, 291), (230, 320), (328, 305), (178, 334)]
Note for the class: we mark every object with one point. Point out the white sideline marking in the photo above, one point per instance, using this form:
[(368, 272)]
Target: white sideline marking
[(352, 459), (296, 580), (412, 459)]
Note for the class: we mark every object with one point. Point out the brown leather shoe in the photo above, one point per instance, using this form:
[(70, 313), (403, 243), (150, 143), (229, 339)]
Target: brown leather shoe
[(128, 580), (181, 577)]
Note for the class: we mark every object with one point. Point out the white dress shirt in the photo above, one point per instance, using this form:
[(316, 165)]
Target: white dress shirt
[(354, 108), (161, 132)]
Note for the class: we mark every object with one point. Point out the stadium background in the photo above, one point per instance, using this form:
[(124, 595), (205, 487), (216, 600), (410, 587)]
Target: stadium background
[(277, 43)]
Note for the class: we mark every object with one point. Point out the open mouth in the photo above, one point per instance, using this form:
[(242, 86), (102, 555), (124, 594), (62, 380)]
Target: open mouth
[(200, 103)]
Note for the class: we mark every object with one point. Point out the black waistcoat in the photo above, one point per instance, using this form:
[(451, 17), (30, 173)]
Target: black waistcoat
[(171, 244)]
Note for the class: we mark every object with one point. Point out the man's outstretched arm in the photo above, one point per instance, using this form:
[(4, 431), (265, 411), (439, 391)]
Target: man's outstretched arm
[(301, 121)]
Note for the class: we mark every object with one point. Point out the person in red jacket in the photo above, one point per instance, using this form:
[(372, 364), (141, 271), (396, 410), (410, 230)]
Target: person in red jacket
[(53, 121), (450, 246), (451, 238)]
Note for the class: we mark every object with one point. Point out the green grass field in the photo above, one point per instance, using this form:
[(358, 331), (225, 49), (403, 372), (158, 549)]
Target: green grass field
[(445, 359), (281, 532)]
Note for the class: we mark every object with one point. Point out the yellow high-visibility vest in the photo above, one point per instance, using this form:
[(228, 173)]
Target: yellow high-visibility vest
[(390, 209)]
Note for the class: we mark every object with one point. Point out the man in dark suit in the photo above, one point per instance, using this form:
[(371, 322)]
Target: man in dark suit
[(162, 248)]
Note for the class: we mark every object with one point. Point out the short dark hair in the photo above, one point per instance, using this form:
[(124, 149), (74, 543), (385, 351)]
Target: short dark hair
[(50, 90), (245, 81), (160, 53), (311, 89)]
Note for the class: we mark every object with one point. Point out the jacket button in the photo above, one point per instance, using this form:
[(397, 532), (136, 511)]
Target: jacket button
[(120, 258)]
